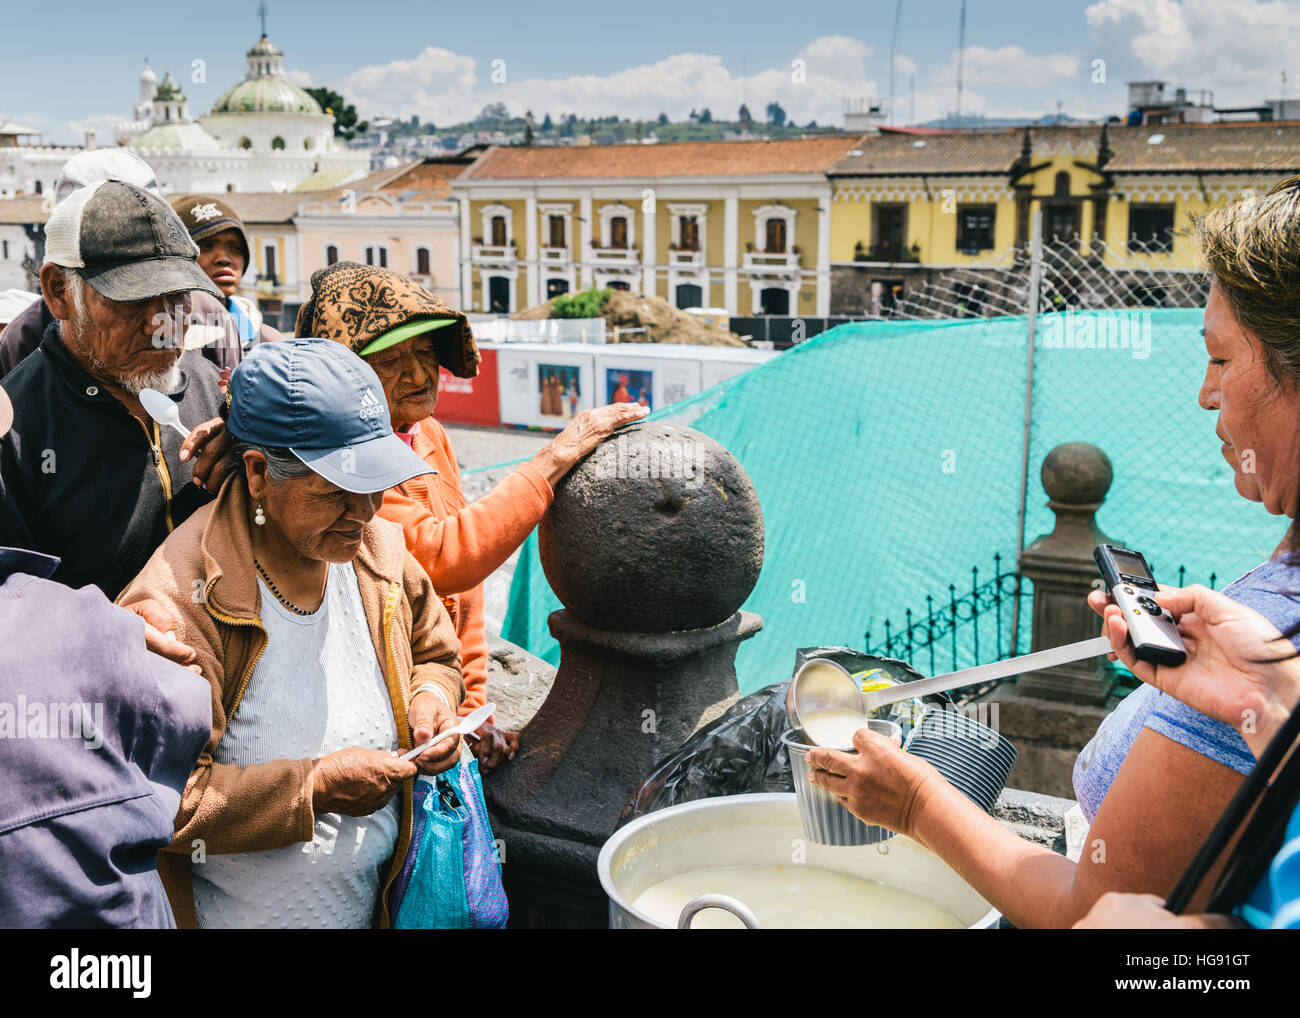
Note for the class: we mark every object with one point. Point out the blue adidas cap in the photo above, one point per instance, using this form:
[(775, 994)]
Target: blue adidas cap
[(324, 404)]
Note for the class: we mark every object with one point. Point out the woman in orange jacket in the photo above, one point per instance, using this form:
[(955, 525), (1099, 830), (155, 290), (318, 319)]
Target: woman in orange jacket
[(406, 333)]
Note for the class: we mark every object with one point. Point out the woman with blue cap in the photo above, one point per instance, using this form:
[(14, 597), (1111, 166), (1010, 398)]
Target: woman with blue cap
[(326, 648)]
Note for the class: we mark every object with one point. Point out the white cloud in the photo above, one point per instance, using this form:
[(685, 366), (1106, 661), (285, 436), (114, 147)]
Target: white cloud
[(300, 78), (904, 64), (1236, 49), (445, 87), (1009, 65)]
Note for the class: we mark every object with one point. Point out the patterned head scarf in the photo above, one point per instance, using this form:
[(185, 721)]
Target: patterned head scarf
[(354, 304)]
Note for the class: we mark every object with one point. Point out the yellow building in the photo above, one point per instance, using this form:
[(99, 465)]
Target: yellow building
[(910, 205), (740, 225)]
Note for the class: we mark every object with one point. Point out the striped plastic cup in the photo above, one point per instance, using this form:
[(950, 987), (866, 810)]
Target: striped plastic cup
[(825, 820)]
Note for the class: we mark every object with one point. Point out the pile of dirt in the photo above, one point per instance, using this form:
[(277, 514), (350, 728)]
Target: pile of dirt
[(662, 322)]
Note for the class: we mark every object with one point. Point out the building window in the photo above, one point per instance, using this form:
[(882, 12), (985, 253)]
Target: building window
[(422, 261), (888, 232), (775, 239), (555, 287), (774, 301), (377, 254), (689, 235), (498, 295), (498, 231), (269, 259), (331, 254), (306, 144), (277, 143), (689, 295), (230, 188), (245, 143), (618, 233), (1151, 228), (38, 187), (974, 228), (555, 224)]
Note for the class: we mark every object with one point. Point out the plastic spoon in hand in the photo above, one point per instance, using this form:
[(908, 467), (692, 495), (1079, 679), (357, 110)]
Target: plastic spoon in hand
[(469, 723), (160, 407)]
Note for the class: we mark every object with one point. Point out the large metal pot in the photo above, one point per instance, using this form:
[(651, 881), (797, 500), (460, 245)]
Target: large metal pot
[(764, 829)]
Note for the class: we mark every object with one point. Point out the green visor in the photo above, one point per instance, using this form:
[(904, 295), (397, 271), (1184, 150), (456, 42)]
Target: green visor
[(401, 333)]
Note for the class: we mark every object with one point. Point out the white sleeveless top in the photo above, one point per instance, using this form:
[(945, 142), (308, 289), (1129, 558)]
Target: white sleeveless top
[(317, 688)]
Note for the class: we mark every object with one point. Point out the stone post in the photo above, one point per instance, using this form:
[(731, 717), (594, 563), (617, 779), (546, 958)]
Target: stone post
[(1076, 477), (652, 544)]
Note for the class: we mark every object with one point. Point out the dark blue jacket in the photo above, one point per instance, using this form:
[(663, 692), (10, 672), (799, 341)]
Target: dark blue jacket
[(97, 738)]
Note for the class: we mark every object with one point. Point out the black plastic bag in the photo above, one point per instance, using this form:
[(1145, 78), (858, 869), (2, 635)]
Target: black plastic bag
[(742, 750)]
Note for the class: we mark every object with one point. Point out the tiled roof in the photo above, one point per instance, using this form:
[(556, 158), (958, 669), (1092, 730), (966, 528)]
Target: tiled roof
[(966, 152), (26, 209), (677, 159), (1249, 145), (260, 207)]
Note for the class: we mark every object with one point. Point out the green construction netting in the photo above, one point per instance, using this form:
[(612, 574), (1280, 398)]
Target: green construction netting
[(887, 460)]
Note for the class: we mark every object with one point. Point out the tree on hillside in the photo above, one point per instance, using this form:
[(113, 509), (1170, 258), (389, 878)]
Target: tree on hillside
[(346, 125), (705, 116), (663, 119), (746, 121), (492, 112), (546, 123), (775, 115)]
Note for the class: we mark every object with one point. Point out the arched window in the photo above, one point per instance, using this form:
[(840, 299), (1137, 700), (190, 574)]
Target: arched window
[(38, 187), (306, 144), (618, 233), (422, 261), (277, 143), (1062, 184), (775, 236), (331, 254), (245, 143), (498, 231), (230, 187)]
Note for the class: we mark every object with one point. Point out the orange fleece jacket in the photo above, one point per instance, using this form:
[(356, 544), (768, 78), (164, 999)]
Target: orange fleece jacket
[(460, 545)]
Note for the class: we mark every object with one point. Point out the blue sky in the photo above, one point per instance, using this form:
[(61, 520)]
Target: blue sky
[(437, 59)]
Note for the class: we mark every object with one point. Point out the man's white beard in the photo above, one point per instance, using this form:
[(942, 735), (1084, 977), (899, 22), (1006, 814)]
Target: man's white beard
[(163, 381)]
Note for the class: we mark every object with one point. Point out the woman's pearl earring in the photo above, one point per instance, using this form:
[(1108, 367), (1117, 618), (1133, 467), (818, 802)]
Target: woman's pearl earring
[(259, 517)]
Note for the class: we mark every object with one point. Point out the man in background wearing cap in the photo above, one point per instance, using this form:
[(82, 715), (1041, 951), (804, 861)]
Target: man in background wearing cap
[(85, 473), (97, 739), (224, 255), (23, 335)]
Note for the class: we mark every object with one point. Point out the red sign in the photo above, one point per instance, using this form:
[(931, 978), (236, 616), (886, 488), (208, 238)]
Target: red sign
[(470, 400)]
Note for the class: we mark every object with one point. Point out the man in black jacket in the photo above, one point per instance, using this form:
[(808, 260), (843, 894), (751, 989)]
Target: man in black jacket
[(85, 473)]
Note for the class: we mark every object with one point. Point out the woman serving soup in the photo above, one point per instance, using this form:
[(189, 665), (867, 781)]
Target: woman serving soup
[(1158, 774)]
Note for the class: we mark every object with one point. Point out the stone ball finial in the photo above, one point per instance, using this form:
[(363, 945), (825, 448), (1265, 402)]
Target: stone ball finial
[(658, 530), (1077, 473)]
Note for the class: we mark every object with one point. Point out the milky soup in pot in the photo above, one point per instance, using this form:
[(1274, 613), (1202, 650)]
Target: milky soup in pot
[(793, 897)]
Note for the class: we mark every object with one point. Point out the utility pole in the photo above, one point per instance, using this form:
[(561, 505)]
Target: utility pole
[(961, 55), (893, 56)]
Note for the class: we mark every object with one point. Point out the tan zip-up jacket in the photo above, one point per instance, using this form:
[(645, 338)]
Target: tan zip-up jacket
[(203, 575)]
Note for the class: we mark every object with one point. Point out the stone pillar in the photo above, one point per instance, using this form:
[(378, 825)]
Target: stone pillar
[(652, 544), (731, 254), (824, 255), (584, 242), (532, 273), (1076, 477), (649, 247), (466, 260)]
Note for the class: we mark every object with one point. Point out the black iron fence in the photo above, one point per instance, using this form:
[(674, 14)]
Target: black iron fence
[(972, 625)]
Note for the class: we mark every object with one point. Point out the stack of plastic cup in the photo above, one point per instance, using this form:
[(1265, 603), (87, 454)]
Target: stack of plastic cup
[(825, 820), (971, 756)]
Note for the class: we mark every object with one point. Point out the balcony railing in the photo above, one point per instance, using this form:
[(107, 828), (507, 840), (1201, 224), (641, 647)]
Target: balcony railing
[(769, 262), (686, 259), (613, 256), (493, 253), (554, 255)]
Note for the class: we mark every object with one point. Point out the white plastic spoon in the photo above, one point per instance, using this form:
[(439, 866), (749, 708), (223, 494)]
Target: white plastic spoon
[(469, 723), (160, 407)]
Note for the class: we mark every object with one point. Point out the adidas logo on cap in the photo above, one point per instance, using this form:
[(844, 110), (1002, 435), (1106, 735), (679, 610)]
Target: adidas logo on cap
[(371, 407)]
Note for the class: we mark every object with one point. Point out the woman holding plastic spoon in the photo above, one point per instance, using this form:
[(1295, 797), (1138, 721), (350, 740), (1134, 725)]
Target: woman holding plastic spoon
[(326, 647)]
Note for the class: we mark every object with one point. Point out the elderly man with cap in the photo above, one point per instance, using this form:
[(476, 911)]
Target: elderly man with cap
[(97, 739), (85, 473), (23, 335), (407, 334), (232, 325)]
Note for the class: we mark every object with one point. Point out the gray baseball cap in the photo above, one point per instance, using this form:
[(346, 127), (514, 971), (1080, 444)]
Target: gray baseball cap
[(127, 243)]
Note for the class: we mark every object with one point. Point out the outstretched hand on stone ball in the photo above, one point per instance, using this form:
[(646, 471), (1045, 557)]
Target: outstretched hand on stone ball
[(584, 433)]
